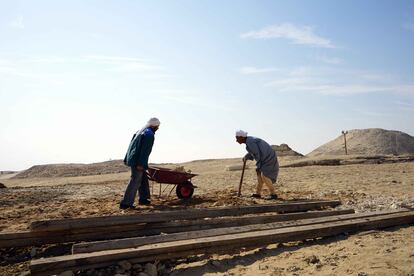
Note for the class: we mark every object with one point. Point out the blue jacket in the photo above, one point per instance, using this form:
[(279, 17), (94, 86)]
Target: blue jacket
[(140, 148)]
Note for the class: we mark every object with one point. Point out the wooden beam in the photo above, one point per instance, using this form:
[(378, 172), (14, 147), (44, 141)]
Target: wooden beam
[(105, 221), (30, 238), (159, 251), (88, 247)]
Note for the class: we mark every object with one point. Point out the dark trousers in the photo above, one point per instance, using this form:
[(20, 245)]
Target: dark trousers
[(137, 183)]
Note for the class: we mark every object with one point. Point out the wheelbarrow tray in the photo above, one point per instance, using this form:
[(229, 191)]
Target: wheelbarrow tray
[(168, 176)]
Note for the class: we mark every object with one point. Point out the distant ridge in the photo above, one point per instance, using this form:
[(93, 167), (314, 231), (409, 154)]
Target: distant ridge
[(371, 141), (62, 170)]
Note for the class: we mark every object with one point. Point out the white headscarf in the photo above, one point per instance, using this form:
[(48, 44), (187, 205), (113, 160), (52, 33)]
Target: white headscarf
[(241, 133), (153, 122)]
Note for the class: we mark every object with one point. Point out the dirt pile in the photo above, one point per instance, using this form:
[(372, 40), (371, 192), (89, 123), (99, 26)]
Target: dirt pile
[(66, 170), (285, 150), (372, 141)]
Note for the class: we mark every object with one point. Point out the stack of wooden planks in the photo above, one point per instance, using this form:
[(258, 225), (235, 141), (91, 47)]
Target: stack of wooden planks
[(173, 234), (111, 227)]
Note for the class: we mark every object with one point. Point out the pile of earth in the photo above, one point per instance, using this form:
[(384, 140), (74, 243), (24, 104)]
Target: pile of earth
[(372, 141), (66, 170), (285, 150)]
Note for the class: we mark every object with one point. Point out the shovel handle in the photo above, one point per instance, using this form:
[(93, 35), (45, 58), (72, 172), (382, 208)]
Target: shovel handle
[(241, 179)]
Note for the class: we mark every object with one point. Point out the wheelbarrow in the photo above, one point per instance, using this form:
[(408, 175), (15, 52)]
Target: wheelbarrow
[(181, 180)]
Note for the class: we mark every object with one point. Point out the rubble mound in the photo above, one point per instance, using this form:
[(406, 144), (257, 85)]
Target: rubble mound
[(372, 141), (285, 150)]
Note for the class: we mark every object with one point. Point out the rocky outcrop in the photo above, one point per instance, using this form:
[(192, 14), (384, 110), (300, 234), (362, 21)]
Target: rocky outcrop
[(285, 150)]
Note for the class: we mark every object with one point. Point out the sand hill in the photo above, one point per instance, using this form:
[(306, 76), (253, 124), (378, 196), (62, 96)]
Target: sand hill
[(372, 141), (61, 170)]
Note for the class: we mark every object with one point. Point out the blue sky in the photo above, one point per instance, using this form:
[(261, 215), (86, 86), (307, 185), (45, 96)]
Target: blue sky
[(78, 78)]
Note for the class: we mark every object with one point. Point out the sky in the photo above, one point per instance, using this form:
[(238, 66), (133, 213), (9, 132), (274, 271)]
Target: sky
[(78, 78)]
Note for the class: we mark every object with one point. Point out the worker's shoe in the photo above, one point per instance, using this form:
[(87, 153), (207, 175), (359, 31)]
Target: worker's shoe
[(256, 195), (273, 197), (144, 202), (124, 206)]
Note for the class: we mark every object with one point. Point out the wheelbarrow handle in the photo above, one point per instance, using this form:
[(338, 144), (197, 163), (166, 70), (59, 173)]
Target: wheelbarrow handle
[(241, 179)]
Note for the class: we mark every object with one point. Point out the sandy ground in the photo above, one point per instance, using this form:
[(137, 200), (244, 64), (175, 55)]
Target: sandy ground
[(363, 187)]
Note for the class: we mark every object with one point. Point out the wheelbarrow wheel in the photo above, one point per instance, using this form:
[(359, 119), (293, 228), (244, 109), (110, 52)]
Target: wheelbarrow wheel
[(184, 190)]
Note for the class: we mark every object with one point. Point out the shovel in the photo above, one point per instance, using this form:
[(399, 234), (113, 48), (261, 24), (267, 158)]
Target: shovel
[(241, 179)]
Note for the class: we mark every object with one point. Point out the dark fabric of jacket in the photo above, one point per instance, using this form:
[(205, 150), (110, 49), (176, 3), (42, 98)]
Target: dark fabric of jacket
[(140, 148)]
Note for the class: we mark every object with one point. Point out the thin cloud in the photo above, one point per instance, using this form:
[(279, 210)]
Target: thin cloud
[(330, 60), (248, 70), (197, 99), (372, 113), (115, 63), (405, 106), (7, 69), (47, 60), (297, 34), (146, 69), (337, 82), (125, 64), (17, 23), (113, 58)]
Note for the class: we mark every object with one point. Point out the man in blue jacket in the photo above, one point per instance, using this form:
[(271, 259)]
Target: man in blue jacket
[(136, 157), (267, 165)]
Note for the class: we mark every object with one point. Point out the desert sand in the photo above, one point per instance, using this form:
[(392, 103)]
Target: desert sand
[(364, 187)]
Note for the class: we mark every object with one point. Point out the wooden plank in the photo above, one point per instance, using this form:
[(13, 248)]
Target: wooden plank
[(196, 246), (30, 238), (104, 221), (87, 247)]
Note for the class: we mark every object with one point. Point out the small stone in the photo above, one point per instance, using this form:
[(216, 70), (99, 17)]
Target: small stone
[(33, 252), (393, 206), (215, 263), (66, 273), (125, 265), (151, 269), (312, 259), (137, 267), (318, 265), (361, 273), (263, 267), (293, 269)]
